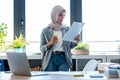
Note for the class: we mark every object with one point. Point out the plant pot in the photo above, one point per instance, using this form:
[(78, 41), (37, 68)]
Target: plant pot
[(19, 50), (79, 52)]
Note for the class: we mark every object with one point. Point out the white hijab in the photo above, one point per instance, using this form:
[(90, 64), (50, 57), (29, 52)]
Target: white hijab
[(54, 17)]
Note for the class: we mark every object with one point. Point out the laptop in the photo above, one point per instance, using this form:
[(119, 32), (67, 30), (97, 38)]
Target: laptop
[(19, 65)]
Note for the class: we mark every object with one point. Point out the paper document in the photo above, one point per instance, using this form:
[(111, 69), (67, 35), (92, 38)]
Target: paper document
[(74, 30)]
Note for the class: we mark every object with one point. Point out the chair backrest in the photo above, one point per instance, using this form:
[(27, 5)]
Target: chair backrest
[(91, 65)]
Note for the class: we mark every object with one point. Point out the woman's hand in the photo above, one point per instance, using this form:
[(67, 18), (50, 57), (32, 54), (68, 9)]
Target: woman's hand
[(53, 40), (77, 38)]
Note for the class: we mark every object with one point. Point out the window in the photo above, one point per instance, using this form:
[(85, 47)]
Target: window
[(38, 16), (101, 29), (6, 16)]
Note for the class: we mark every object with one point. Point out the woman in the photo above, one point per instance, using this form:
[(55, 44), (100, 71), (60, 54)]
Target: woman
[(56, 53)]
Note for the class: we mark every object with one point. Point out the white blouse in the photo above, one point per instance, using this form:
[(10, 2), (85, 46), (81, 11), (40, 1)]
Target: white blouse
[(58, 46)]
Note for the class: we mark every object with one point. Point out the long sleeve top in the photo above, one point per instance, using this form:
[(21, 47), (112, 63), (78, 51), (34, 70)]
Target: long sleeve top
[(47, 52)]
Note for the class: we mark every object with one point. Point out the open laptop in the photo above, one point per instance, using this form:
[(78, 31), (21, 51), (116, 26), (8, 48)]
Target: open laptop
[(19, 65)]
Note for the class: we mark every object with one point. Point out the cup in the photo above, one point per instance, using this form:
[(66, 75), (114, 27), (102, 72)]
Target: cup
[(58, 37), (101, 69)]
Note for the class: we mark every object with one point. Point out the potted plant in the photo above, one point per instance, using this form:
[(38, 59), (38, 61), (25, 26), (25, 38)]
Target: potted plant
[(3, 35), (18, 43), (81, 48)]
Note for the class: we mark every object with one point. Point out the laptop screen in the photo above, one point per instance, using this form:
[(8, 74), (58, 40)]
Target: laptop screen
[(18, 63)]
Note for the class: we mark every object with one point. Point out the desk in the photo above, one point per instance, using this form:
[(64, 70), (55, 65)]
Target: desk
[(103, 57), (77, 57), (54, 76), (3, 56), (113, 56)]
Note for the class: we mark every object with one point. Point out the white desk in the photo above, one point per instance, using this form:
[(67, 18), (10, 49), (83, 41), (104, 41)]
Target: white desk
[(53, 76), (3, 56), (113, 56), (77, 57), (103, 57)]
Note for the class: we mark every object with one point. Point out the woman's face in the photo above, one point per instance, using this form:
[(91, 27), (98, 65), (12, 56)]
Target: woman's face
[(61, 16)]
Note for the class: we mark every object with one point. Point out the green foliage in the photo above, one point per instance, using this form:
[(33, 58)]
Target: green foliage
[(18, 42), (82, 46), (3, 35)]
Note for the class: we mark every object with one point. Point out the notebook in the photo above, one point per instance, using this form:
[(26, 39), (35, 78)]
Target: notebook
[(19, 65)]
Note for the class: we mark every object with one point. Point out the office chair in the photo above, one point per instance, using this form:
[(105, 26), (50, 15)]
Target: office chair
[(91, 65)]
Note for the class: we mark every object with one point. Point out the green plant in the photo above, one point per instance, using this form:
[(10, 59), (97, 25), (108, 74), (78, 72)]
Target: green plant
[(18, 42), (82, 46), (3, 35)]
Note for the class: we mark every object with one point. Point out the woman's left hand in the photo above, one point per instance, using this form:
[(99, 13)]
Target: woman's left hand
[(77, 38)]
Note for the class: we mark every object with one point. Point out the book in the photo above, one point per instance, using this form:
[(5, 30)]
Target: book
[(112, 72), (117, 66)]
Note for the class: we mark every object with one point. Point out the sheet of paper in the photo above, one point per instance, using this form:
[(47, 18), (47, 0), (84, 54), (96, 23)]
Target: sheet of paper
[(74, 30)]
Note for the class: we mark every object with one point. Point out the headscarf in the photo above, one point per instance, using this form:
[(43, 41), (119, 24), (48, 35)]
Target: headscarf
[(54, 17)]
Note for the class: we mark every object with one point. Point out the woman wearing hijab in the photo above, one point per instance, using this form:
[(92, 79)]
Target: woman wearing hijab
[(56, 53)]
